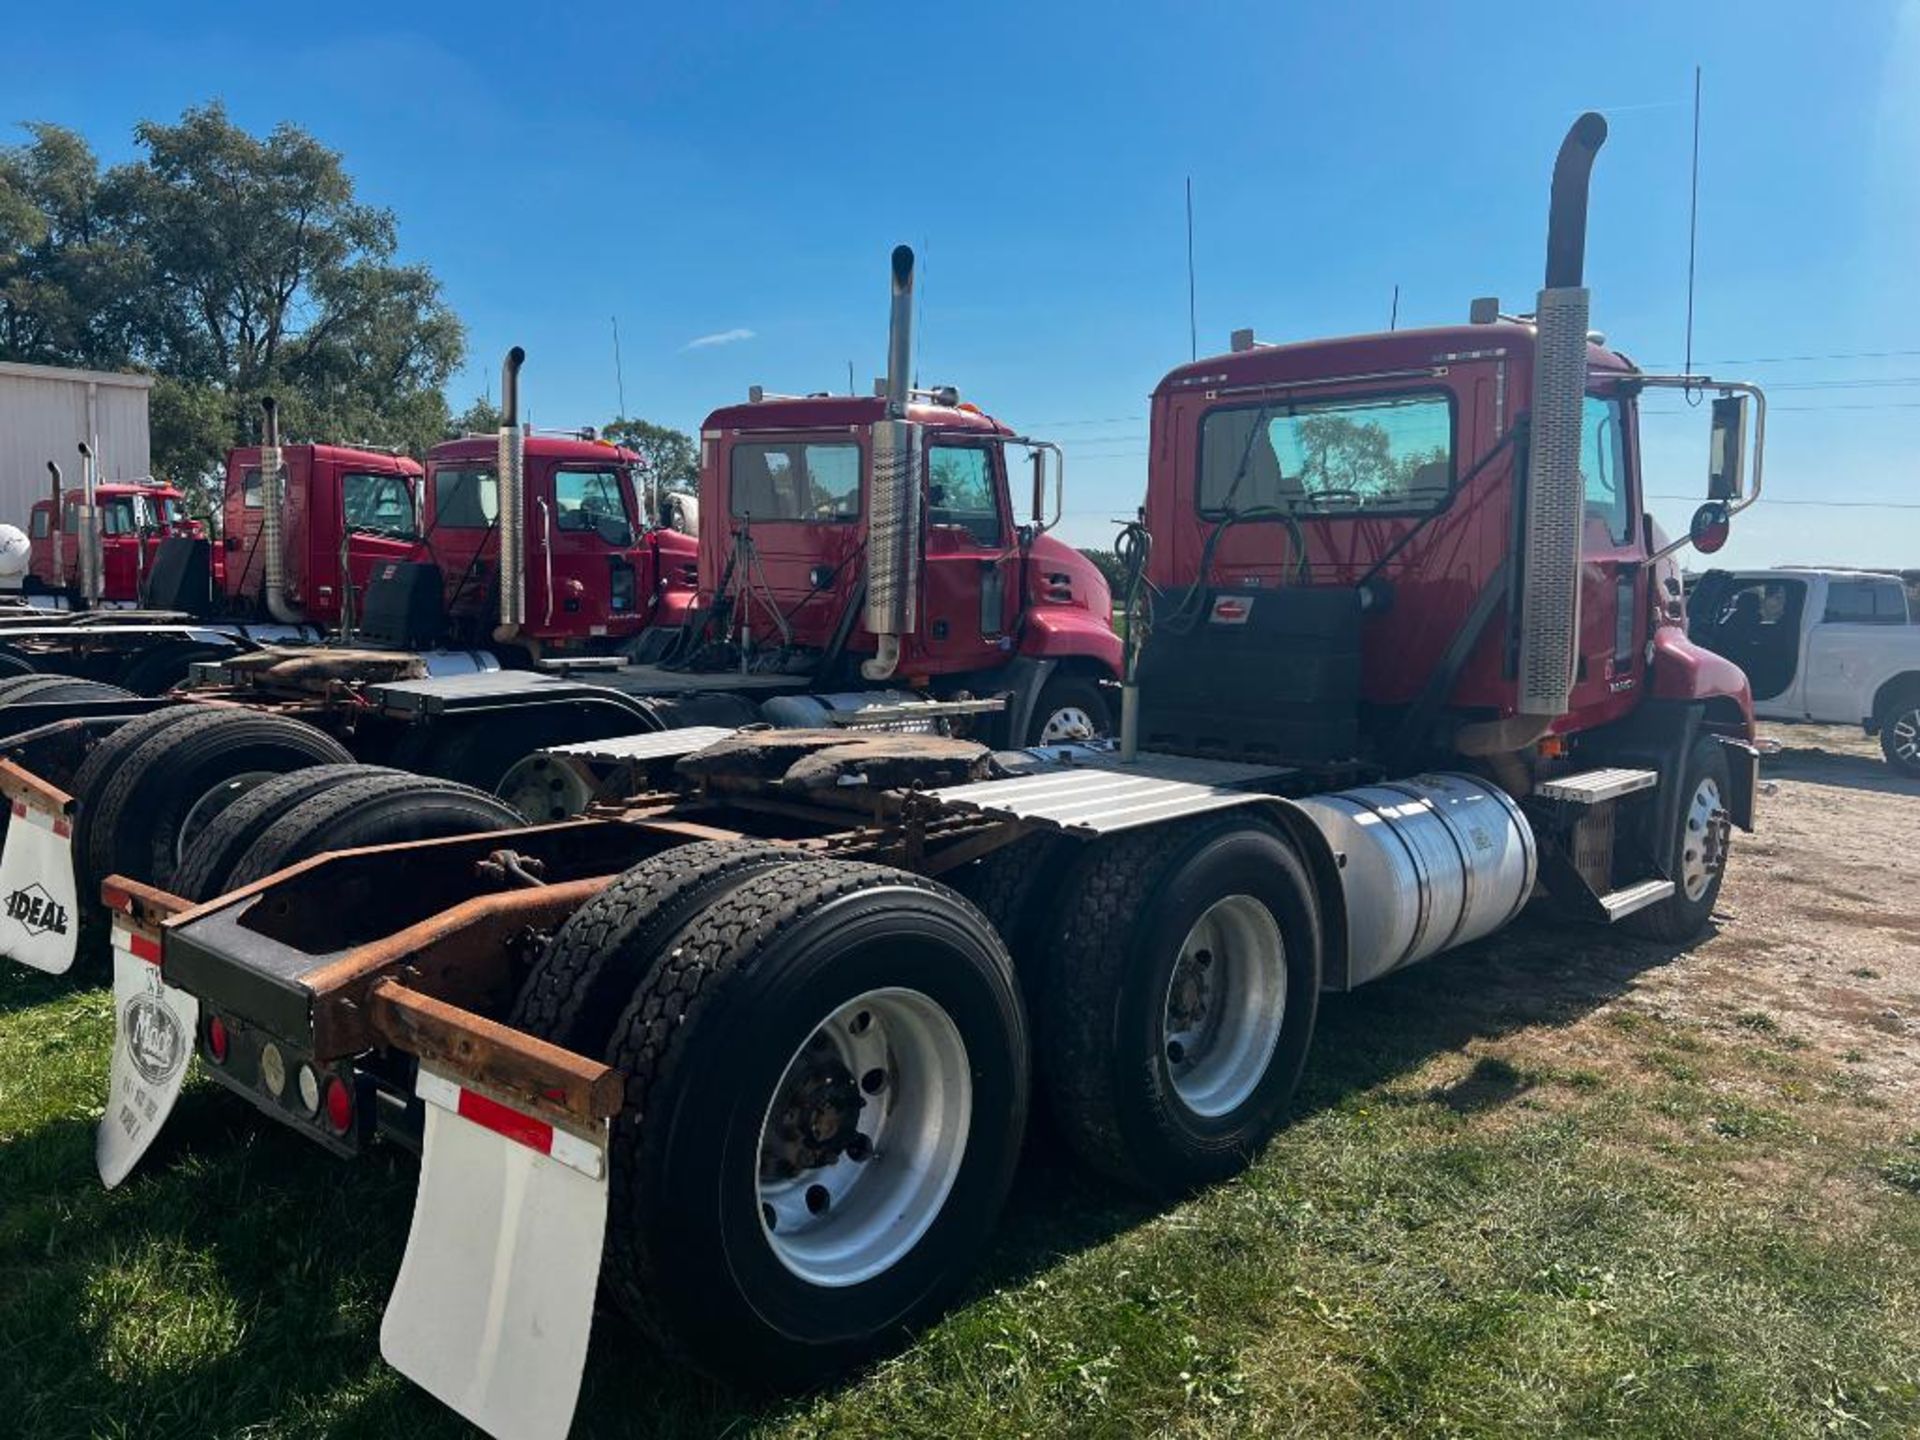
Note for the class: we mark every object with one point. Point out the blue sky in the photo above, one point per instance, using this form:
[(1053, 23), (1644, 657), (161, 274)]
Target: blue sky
[(738, 172)]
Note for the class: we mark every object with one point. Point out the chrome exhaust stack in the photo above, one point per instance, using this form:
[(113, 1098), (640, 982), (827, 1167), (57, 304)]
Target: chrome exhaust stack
[(57, 524), (893, 504), (91, 580), (1549, 588), (273, 491), (512, 501)]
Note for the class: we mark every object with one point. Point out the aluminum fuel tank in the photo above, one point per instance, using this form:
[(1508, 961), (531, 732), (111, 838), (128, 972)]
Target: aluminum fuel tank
[(1429, 862)]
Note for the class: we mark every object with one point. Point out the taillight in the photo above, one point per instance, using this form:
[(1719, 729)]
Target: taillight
[(339, 1105), (217, 1040)]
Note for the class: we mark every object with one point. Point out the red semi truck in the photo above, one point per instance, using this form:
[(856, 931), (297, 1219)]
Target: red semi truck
[(134, 519), (750, 1049)]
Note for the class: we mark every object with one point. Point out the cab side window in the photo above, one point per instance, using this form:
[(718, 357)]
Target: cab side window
[(41, 525), (1603, 470), (961, 492), (1866, 602)]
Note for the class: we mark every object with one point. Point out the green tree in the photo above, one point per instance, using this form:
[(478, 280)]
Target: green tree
[(482, 417), (234, 267), (670, 454), (1108, 564)]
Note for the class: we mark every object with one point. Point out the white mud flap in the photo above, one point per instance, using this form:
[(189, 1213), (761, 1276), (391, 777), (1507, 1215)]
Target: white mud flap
[(154, 1029), (39, 924), (494, 1304)]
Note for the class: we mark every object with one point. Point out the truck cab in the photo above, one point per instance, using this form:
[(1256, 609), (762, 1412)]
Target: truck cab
[(1386, 466), (1826, 646), (134, 519), (339, 502), (786, 494), (599, 569)]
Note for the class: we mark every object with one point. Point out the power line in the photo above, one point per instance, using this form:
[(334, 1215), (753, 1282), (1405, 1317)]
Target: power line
[(1815, 504)]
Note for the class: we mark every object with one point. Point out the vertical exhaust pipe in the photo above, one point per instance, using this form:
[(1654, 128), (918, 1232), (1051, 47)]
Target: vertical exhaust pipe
[(893, 508), (273, 501), (512, 518), (1549, 590), (59, 497), (90, 559)]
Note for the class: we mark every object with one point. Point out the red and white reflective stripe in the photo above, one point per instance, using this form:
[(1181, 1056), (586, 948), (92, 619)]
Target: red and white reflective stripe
[(137, 943), (58, 824), (574, 1151)]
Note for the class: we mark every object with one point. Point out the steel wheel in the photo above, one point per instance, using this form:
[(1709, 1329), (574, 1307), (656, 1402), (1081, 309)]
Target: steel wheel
[(543, 789), (1703, 849), (207, 808), (1068, 723), (863, 1137), (1226, 1004)]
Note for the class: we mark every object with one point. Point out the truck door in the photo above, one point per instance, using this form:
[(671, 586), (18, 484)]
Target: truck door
[(378, 516), (966, 586), (580, 532), (463, 531), (1613, 591), (1846, 646), (798, 499), (69, 547), (120, 553), (42, 563)]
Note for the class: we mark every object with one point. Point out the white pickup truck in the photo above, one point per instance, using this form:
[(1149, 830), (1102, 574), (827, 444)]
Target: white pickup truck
[(1824, 646)]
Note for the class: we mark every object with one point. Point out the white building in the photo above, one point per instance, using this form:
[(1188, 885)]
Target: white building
[(45, 412)]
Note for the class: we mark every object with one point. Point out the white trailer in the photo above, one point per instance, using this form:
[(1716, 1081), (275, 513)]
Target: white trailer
[(46, 412)]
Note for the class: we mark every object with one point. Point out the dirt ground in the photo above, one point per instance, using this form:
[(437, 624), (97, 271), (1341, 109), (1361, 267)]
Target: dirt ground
[(1818, 927)]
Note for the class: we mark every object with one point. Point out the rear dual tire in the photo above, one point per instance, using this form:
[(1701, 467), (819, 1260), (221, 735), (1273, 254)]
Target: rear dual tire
[(826, 1085)]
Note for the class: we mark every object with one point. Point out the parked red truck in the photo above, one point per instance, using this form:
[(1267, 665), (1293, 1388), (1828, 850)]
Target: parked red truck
[(736, 1053), (134, 519)]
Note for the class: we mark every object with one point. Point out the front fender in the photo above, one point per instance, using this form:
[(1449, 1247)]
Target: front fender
[(1685, 671), (1070, 631)]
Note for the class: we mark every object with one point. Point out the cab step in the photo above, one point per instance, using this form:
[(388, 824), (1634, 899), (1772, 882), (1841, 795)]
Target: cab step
[(1594, 787), (1631, 898)]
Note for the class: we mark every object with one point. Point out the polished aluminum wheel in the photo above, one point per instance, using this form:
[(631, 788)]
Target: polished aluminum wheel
[(1703, 849), (863, 1137), (1226, 1006)]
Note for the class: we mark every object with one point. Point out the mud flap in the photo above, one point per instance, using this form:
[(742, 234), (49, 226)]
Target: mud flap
[(154, 1029), (39, 922), (494, 1304)]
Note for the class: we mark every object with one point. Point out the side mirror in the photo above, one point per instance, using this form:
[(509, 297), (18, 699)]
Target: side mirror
[(1710, 527), (1039, 458), (1727, 451)]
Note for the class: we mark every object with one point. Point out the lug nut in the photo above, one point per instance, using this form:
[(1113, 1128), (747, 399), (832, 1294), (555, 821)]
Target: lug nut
[(859, 1148), (874, 1081), (861, 1022)]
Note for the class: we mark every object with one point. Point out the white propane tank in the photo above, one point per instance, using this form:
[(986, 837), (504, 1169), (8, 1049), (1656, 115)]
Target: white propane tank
[(1429, 863), (15, 555)]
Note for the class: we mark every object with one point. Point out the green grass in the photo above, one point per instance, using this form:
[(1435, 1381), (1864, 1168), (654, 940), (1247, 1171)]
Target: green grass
[(1470, 1229)]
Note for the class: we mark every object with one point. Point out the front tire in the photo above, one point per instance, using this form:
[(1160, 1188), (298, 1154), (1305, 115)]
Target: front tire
[(1070, 707), (1697, 853), (827, 1083), (1179, 1000)]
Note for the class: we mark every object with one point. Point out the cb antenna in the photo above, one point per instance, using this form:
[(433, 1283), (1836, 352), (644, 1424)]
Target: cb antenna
[(1693, 224), (619, 376), (1193, 330)]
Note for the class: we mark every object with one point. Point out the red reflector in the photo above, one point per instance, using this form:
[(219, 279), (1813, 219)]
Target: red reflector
[(19, 807), (62, 829), (217, 1040), (535, 1134), (149, 951), (339, 1105)]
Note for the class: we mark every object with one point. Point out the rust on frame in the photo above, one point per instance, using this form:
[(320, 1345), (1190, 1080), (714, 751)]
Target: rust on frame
[(459, 954)]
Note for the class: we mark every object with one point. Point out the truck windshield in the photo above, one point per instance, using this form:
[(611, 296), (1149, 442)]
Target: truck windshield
[(1388, 452), (795, 480)]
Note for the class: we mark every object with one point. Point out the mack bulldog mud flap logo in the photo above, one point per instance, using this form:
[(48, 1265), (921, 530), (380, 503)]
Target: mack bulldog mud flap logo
[(153, 1041), (37, 912)]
